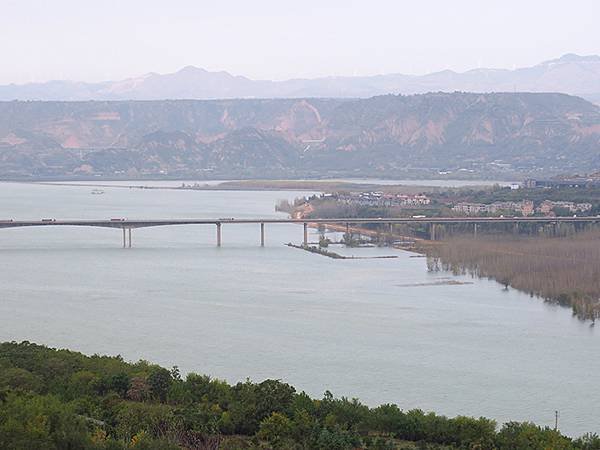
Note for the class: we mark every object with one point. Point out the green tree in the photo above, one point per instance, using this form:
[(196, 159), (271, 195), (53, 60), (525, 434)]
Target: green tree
[(20, 379), (133, 418), (34, 422), (273, 396), (276, 430), (81, 384), (159, 381), (589, 441), (527, 436), (119, 383)]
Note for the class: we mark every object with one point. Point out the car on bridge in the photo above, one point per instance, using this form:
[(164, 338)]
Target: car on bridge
[(48, 220)]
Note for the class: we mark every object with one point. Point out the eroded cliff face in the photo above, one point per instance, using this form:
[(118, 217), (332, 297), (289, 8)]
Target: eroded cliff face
[(381, 134)]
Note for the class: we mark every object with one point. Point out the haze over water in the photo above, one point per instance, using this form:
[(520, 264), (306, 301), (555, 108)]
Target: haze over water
[(359, 328)]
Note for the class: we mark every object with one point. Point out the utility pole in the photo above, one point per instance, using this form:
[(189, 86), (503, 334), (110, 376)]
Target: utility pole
[(555, 420)]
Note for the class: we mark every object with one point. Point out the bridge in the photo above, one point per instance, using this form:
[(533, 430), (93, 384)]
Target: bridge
[(127, 225)]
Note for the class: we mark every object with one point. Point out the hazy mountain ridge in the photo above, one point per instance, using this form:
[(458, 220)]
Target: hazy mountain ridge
[(571, 74), (486, 134)]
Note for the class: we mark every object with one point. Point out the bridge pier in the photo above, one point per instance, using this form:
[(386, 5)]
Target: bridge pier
[(432, 232), (475, 230), (262, 234), (126, 234), (305, 234), (218, 234)]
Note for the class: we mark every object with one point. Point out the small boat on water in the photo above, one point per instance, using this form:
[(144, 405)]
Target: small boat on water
[(97, 192)]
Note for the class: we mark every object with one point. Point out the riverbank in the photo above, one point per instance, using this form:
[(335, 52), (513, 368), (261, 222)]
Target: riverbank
[(408, 242), (561, 270)]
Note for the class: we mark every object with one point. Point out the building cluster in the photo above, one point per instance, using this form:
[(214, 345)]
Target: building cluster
[(547, 206), (382, 199), (524, 207)]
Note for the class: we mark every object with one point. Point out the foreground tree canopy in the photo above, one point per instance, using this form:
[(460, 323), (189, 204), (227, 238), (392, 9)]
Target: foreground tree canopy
[(59, 399)]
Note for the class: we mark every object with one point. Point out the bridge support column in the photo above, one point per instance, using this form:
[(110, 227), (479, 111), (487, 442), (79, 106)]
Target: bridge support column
[(516, 228), (124, 238), (262, 234), (305, 233), (129, 232), (218, 234), (432, 232), (475, 226)]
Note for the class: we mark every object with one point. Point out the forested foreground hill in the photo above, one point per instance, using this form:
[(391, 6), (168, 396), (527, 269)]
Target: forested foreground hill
[(58, 399), (503, 134)]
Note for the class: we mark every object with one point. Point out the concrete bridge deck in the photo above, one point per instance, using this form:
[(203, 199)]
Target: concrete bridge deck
[(141, 223), (127, 225)]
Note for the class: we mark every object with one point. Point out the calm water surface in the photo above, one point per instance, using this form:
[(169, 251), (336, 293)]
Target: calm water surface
[(363, 328), (382, 182)]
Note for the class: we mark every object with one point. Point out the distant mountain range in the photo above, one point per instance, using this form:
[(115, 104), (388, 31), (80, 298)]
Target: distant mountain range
[(571, 74), (500, 135)]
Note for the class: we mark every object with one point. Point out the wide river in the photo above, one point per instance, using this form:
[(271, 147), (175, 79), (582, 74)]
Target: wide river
[(377, 329)]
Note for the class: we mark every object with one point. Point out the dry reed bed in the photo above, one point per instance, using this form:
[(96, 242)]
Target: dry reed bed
[(564, 270)]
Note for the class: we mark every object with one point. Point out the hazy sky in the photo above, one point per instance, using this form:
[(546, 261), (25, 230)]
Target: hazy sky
[(95, 40)]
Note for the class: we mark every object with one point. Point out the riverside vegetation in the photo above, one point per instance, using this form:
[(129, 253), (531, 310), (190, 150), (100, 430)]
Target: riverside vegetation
[(563, 270), (557, 262), (59, 399)]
